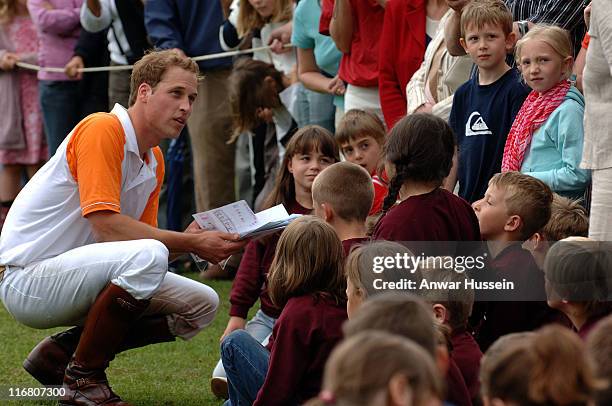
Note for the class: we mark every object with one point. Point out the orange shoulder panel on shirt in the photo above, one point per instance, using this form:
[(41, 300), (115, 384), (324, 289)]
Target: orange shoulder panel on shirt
[(95, 153), (149, 215)]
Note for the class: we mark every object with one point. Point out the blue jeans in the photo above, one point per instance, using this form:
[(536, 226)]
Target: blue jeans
[(260, 328), (246, 364), (61, 108), (315, 108)]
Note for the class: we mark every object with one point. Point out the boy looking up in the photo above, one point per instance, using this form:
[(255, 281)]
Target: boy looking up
[(485, 106), (515, 206)]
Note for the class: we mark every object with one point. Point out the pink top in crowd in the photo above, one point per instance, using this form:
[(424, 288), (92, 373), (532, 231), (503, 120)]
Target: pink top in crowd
[(58, 25)]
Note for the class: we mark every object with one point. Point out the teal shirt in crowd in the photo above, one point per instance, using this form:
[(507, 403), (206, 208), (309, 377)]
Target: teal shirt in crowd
[(306, 36), (556, 149)]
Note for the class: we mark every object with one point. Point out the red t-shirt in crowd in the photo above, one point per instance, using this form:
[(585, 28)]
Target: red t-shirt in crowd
[(380, 192), (359, 67), (250, 281), (303, 337), (402, 47)]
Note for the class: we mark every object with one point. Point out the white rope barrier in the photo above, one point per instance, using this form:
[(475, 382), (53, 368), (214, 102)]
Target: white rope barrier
[(129, 67)]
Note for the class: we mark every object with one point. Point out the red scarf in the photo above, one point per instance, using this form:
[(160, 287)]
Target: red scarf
[(533, 113)]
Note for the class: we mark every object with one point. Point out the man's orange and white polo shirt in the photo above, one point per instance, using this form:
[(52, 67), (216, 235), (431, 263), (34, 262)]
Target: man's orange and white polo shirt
[(97, 167)]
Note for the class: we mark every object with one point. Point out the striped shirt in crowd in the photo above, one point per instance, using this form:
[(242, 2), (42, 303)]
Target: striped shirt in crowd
[(566, 14)]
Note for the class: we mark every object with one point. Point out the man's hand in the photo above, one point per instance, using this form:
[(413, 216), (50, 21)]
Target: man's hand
[(336, 86), (215, 246), (458, 5), (234, 323), (47, 5), (8, 61), (279, 37), (72, 68)]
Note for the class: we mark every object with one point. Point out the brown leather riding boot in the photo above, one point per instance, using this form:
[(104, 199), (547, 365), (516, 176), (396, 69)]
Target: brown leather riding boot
[(107, 323), (48, 360)]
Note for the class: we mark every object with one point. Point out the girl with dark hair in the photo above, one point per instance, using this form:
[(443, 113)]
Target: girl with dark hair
[(309, 151), (418, 156)]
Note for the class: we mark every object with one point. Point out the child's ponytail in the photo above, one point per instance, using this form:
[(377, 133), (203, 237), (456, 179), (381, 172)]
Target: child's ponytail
[(420, 147)]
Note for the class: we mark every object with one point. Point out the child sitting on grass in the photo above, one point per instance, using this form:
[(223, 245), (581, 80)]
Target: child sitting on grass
[(360, 278), (375, 368), (452, 307), (342, 196), (408, 316), (306, 280), (546, 368), (418, 156), (567, 219), (578, 281), (309, 151), (514, 207)]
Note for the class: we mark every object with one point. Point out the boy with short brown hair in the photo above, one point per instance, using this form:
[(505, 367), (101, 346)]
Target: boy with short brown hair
[(342, 195), (514, 207), (361, 137), (485, 106)]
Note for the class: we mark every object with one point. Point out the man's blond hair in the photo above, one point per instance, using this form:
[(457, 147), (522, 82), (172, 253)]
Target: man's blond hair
[(527, 197), (482, 12), (347, 188), (154, 65)]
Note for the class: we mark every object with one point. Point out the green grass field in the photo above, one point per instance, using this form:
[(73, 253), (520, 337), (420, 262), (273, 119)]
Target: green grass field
[(175, 373)]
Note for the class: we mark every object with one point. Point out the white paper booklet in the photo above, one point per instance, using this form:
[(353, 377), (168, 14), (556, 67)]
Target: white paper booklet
[(239, 218)]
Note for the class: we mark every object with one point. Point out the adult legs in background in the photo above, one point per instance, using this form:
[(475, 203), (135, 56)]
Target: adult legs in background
[(59, 102), (316, 109), (600, 222), (118, 87), (210, 128), (364, 98)]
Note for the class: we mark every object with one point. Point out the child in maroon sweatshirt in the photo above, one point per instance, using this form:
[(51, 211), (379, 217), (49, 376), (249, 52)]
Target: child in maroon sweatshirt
[(418, 156), (307, 281), (452, 301), (309, 151), (514, 207)]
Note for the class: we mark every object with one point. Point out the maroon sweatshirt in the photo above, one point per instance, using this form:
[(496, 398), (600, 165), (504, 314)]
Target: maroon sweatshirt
[(347, 245), (435, 216), (250, 281), (528, 311), (456, 390), (303, 337), (467, 355)]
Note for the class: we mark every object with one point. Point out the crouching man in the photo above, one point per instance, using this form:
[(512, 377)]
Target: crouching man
[(81, 247)]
